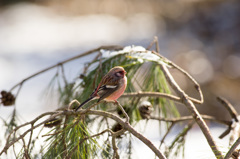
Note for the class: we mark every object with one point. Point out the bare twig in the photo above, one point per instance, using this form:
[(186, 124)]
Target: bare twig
[(10, 143), (129, 128), (110, 47), (185, 118), (123, 111), (157, 94), (155, 41), (191, 107), (30, 138), (126, 126), (232, 149), (234, 128), (29, 123), (115, 148), (226, 132), (229, 107), (197, 86), (26, 153)]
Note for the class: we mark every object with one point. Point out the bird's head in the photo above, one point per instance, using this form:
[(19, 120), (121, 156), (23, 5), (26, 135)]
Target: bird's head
[(118, 71)]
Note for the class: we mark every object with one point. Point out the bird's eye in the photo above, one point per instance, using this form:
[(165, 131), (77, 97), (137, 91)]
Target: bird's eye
[(120, 73)]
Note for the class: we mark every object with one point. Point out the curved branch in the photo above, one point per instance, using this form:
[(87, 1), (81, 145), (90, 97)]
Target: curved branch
[(8, 143), (191, 107), (124, 124), (173, 65), (128, 127), (110, 47), (158, 94), (28, 123), (185, 118), (232, 111)]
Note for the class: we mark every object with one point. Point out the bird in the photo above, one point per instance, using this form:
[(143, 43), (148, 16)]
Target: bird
[(110, 88)]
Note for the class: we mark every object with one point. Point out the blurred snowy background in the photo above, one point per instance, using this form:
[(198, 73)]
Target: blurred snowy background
[(202, 36)]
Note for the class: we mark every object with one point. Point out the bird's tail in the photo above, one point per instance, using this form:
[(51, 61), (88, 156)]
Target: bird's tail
[(83, 103)]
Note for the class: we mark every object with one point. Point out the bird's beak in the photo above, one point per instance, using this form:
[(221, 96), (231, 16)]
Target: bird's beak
[(125, 72)]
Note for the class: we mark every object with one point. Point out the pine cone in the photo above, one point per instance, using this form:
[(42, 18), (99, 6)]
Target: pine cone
[(116, 127), (145, 109), (7, 98)]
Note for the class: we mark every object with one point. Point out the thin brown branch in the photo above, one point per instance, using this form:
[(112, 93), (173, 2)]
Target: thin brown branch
[(115, 148), (10, 143), (232, 149), (26, 153), (20, 87), (30, 138), (234, 127), (185, 118), (197, 86), (110, 47), (129, 128), (159, 95), (191, 107), (29, 123), (125, 125), (155, 41), (123, 111), (226, 132), (232, 111)]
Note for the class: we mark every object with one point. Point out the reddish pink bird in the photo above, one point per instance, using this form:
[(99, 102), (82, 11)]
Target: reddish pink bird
[(111, 87)]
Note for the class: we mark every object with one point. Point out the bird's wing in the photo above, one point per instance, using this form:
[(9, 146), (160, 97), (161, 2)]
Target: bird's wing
[(106, 90)]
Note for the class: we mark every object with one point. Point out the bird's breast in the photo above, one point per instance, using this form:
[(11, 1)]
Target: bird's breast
[(121, 88)]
